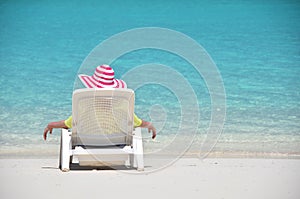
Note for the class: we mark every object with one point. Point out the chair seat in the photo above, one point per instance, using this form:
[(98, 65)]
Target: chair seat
[(105, 156)]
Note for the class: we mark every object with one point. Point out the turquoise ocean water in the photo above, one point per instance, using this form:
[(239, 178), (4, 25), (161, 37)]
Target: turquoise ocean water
[(255, 45)]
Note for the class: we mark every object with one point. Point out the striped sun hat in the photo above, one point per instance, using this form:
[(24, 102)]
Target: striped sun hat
[(104, 77)]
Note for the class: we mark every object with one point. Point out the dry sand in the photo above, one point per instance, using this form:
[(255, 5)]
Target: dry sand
[(187, 178)]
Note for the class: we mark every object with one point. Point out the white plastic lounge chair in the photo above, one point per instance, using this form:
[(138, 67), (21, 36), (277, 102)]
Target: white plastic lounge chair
[(102, 131)]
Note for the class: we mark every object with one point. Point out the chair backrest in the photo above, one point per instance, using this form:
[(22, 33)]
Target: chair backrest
[(102, 117)]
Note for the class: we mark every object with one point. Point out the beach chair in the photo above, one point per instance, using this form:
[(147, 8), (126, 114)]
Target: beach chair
[(103, 131)]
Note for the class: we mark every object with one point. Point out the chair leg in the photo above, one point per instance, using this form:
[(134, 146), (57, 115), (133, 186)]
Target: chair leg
[(131, 160), (60, 153), (138, 149), (65, 150)]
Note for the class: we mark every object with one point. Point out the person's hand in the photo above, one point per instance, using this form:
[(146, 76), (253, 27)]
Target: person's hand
[(152, 129), (47, 130), (52, 125)]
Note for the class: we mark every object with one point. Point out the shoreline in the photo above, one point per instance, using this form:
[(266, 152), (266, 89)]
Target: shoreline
[(196, 155), (52, 151), (226, 147), (222, 149)]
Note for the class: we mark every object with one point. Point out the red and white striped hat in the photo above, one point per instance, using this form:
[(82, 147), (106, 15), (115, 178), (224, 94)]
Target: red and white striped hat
[(104, 77)]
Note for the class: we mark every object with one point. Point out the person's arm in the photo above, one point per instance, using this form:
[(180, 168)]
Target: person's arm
[(144, 124), (150, 127), (51, 125)]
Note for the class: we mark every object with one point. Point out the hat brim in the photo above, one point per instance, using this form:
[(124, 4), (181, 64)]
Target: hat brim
[(89, 82)]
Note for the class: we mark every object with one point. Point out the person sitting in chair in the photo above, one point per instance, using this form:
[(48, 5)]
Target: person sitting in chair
[(103, 77)]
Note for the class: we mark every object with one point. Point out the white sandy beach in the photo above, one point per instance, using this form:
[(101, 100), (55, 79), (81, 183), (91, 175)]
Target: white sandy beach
[(187, 178)]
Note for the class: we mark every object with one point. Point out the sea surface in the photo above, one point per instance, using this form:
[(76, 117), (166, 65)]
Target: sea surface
[(254, 44)]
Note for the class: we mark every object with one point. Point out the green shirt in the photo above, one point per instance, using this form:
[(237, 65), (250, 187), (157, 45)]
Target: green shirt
[(137, 121)]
